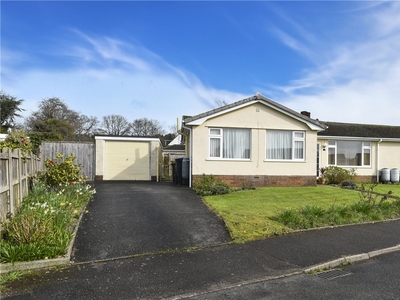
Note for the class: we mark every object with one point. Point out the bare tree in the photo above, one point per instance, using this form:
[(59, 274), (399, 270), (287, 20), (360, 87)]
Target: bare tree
[(146, 127), (115, 125), (220, 102)]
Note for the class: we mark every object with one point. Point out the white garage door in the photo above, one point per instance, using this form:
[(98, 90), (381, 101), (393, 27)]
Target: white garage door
[(127, 160)]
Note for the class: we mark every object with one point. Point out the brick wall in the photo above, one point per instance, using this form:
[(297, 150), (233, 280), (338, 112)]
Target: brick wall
[(264, 180)]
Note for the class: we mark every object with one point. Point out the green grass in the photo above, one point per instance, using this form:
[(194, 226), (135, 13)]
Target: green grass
[(385, 188), (252, 214), (4, 278)]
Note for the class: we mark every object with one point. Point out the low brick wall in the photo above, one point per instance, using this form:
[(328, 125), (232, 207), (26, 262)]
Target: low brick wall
[(264, 180), (365, 179)]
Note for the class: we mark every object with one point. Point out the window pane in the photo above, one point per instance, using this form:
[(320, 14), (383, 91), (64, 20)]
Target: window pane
[(299, 135), (279, 144), (215, 131), (331, 156), (236, 143), (215, 147), (367, 157), (349, 153), (332, 143), (298, 150), (367, 144)]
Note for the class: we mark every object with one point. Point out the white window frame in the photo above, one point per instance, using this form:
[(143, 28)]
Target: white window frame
[(294, 140), (365, 145), (220, 136)]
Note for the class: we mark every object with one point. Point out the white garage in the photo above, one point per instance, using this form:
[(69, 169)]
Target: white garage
[(128, 158)]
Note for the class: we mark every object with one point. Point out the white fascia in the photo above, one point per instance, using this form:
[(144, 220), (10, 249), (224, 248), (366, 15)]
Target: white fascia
[(202, 120), (355, 138), (123, 138)]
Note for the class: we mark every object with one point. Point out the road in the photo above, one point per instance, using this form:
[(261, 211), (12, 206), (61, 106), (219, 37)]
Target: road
[(377, 278)]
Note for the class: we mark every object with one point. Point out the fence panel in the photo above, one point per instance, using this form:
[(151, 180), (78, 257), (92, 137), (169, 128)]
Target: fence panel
[(15, 172), (84, 152)]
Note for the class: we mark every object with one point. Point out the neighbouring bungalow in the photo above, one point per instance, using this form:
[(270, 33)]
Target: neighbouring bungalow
[(366, 148), (259, 142)]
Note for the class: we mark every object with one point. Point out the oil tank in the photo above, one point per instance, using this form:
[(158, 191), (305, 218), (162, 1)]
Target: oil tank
[(385, 175), (394, 175)]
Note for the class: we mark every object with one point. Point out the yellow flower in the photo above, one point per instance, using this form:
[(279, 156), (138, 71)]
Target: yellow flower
[(62, 204), (75, 211), (86, 211)]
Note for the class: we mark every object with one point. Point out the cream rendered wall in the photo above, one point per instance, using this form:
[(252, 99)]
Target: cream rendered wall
[(389, 155), (258, 118), (100, 153)]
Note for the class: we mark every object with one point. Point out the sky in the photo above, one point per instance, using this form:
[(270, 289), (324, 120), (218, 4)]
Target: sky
[(161, 60)]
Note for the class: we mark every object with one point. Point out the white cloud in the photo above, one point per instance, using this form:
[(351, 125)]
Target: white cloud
[(107, 76), (358, 81)]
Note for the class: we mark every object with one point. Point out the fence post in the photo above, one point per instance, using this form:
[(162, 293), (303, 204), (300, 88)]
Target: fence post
[(10, 182)]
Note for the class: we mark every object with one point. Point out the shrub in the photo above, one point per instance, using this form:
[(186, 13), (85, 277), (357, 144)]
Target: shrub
[(17, 139), (208, 185), (348, 184), (43, 226), (336, 175), (61, 171)]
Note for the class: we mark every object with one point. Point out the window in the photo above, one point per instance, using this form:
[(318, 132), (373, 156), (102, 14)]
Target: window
[(229, 143), (349, 153), (285, 145)]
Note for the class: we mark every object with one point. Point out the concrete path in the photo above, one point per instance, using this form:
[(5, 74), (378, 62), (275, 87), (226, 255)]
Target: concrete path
[(129, 218)]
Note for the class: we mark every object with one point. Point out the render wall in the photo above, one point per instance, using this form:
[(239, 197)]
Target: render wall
[(258, 118)]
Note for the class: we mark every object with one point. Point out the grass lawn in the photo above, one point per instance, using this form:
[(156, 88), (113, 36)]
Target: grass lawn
[(249, 214), (384, 188)]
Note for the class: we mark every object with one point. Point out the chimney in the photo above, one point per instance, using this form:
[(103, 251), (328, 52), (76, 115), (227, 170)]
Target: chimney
[(306, 113)]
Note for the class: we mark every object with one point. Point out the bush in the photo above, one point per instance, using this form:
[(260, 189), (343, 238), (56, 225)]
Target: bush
[(61, 171), (17, 139), (348, 184), (208, 185), (43, 226), (336, 175)]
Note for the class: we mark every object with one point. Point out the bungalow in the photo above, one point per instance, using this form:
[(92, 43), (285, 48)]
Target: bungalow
[(259, 142), (366, 148)]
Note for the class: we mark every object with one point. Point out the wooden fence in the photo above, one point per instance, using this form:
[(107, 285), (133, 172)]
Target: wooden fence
[(15, 173), (84, 152)]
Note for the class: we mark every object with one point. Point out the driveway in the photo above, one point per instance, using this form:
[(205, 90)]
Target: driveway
[(131, 217)]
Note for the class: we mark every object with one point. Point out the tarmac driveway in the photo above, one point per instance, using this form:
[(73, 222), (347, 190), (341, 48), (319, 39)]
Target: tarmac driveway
[(131, 217)]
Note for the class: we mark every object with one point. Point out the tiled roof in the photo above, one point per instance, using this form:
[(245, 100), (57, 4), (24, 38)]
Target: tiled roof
[(360, 130), (259, 98)]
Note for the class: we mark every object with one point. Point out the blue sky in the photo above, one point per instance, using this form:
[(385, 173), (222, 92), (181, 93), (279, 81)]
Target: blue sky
[(161, 60)]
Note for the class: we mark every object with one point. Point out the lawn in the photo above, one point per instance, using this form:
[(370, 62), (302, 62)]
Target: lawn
[(385, 188), (251, 214)]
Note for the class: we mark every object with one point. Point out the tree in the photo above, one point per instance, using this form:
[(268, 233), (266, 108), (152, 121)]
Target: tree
[(115, 125), (55, 121), (146, 127), (9, 110)]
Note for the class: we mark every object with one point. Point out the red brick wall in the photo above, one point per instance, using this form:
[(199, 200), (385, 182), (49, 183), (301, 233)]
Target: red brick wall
[(265, 180)]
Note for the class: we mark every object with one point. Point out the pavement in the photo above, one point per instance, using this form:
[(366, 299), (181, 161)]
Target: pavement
[(202, 268)]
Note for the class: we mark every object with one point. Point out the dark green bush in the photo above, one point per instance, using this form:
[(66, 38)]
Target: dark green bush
[(348, 184), (336, 175), (208, 185)]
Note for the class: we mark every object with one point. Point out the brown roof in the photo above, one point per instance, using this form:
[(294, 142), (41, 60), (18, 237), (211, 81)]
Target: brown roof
[(260, 98), (360, 130)]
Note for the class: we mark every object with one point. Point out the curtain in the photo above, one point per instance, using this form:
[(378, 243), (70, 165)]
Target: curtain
[(215, 147), (236, 143), (349, 153), (279, 144)]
